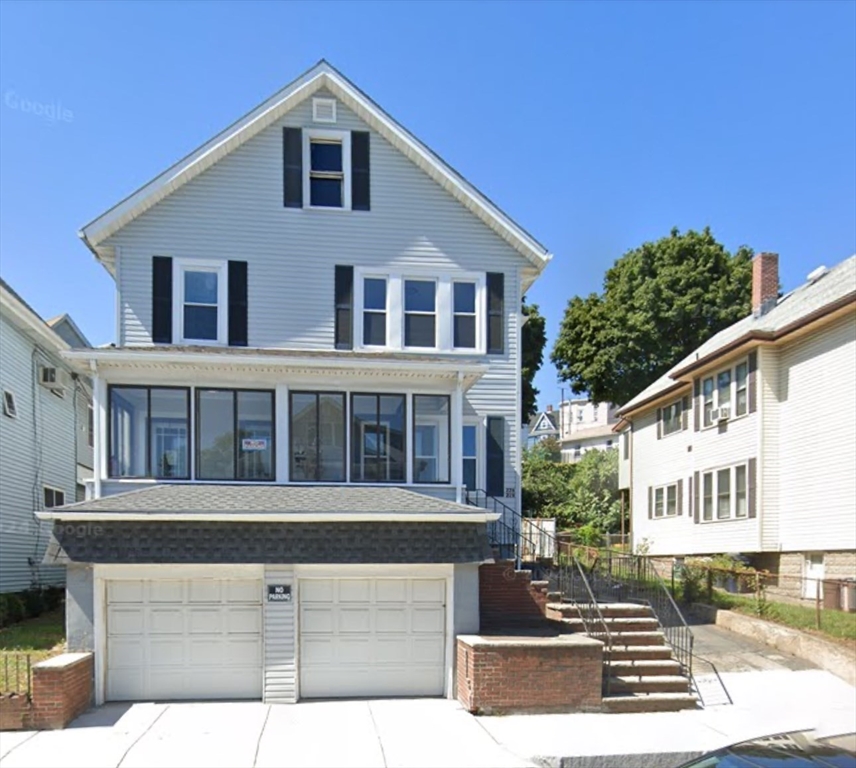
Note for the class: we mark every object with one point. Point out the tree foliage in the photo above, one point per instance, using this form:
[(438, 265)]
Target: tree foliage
[(659, 302), (585, 493), (533, 339)]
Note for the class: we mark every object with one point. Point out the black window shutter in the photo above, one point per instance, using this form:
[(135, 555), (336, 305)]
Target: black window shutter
[(696, 498), (680, 497), (696, 406), (237, 303), (360, 176), (495, 469), (344, 307), (752, 384), (162, 299), (495, 311), (292, 167), (752, 487)]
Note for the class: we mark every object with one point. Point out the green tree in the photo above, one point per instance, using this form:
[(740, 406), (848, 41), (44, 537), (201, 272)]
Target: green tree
[(659, 302), (546, 483), (533, 339), (594, 499)]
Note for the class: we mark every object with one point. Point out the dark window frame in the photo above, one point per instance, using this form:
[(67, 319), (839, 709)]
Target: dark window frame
[(236, 450), (353, 437), (448, 398), (56, 494), (325, 175), (346, 416), (148, 473)]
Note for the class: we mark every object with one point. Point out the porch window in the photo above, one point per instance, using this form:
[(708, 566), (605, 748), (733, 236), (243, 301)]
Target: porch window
[(234, 434), (431, 438), (469, 455), (317, 433), (378, 441), (149, 432)]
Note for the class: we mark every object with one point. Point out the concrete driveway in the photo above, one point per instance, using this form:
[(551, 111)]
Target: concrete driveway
[(359, 734)]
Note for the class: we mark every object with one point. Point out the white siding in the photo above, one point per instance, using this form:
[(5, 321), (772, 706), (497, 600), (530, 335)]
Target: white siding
[(235, 210), (36, 449), (769, 467), (818, 440), (280, 658)]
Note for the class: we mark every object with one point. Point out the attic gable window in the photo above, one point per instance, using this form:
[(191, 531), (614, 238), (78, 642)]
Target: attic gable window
[(327, 160)]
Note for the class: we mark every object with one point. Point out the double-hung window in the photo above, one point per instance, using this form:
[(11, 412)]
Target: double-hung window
[(327, 160), (741, 378), (420, 313), (378, 438), (431, 438), (666, 500), (53, 497), (671, 418), (464, 315), (149, 432), (707, 395), (234, 434), (725, 493), (317, 435), (374, 311), (727, 389), (201, 298)]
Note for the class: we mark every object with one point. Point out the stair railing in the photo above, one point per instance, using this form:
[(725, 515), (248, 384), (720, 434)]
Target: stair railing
[(504, 534)]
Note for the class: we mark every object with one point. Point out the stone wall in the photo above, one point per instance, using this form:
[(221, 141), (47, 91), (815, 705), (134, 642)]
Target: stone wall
[(61, 690), (500, 675)]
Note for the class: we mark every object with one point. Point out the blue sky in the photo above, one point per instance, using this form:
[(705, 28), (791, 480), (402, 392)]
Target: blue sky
[(597, 126)]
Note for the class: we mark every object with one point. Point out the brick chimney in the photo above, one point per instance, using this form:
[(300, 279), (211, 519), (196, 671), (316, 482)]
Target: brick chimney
[(765, 282)]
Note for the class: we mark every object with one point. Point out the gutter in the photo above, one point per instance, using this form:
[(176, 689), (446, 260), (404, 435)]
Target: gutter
[(270, 517)]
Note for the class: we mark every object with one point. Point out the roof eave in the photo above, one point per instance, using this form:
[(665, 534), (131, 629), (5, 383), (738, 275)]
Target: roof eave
[(269, 517)]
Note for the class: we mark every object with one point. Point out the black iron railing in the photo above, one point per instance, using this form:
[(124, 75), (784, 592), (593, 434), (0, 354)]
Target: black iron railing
[(621, 577), (505, 533)]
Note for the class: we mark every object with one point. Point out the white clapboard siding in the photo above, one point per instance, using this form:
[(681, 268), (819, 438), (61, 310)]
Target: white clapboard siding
[(235, 210), (818, 440), (37, 448), (769, 464), (280, 673)]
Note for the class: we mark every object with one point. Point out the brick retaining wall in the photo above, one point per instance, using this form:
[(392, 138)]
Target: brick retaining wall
[(61, 690), (508, 597)]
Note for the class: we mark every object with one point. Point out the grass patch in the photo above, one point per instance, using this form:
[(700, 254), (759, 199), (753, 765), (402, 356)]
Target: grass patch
[(41, 638), (834, 624)]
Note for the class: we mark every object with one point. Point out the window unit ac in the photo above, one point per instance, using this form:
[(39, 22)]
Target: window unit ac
[(723, 413), (51, 378)]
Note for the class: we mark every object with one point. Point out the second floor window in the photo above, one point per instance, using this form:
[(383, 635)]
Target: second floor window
[(464, 319), (201, 301), (672, 418), (374, 312), (420, 313), (726, 392), (235, 435)]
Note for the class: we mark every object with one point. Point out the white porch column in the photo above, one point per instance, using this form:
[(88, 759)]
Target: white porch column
[(457, 477), (99, 427)]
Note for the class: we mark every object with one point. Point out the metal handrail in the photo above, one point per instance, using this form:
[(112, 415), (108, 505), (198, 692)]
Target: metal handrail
[(502, 535)]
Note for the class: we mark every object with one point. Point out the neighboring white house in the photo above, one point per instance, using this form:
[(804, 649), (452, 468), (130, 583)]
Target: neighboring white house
[(45, 437), (748, 445), (318, 364), (585, 426)]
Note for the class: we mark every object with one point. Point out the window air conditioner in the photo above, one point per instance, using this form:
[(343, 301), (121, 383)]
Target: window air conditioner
[(51, 378), (723, 413)]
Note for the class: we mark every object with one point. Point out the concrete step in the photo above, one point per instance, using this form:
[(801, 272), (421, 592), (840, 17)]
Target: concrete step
[(649, 702), (540, 584), (648, 684), (643, 667), (554, 597), (634, 624), (625, 610), (637, 638), (638, 653)]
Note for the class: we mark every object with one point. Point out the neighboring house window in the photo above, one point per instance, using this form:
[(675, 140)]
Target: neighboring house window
[(469, 453), (327, 160), (201, 295), (431, 436), (727, 389), (464, 315), (53, 497), (234, 434), (149, 432), (609, 443), (10, 408), (420, 313), (374, 312), (579, 414), (666, 500), (578, 451), (671, 418), (90, 426), (317, 434), (725, 493), (594, 412), (79, 492), (378, 440)]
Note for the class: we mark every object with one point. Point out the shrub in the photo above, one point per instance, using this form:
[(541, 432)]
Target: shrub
[(12, 610)]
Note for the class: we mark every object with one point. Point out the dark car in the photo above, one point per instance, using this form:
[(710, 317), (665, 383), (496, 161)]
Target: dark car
[(784, 750)]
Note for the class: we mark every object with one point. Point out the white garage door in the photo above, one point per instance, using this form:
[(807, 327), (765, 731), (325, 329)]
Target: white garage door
[(372, 637), (184, 639)]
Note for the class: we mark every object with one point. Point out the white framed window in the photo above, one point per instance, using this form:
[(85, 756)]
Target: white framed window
[(10, 407), (200, 300), (725, 493), (374, 311), (420, 310), (326, 169), (670, 418), (53, 497), (666, 500), (727, 393), (431, 438), (470, 455)]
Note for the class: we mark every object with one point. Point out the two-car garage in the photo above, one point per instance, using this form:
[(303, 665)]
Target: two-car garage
[(204, 637)]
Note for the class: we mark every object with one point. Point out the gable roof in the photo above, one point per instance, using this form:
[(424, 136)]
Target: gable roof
[(322, 75), (28, 319), (812, 300), (536, 422), (62, 323)]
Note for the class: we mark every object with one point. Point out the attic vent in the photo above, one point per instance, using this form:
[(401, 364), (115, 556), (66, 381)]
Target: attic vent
[(816, 274), (324, 110)]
